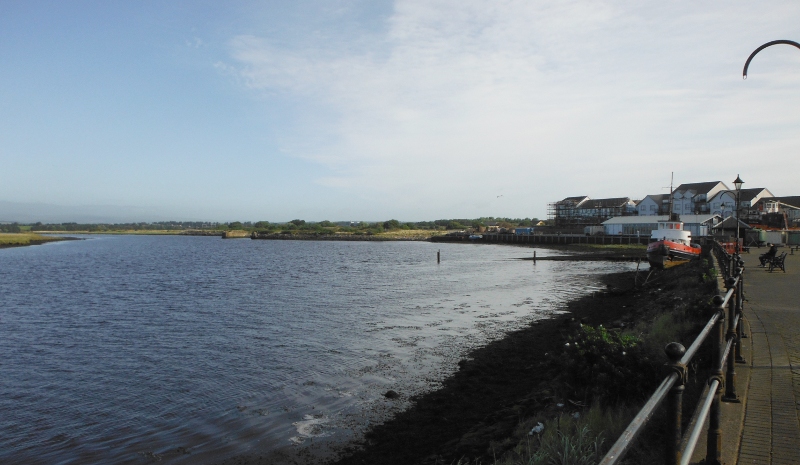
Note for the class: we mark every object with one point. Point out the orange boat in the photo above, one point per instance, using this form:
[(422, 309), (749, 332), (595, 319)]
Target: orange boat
[(671, 244)]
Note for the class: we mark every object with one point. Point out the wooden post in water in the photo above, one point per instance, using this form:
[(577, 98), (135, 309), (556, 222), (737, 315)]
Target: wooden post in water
[(534, 257), (439, 256)]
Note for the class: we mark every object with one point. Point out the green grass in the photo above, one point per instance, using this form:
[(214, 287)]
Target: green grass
[(566, 439), (15, 239), (679, 302)]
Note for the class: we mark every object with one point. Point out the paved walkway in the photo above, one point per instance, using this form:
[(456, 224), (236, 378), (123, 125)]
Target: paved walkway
[(771, 430)]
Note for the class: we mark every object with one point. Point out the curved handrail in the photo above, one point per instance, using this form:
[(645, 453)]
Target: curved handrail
[(733, 281), (687, 357), (636, 425), (691, 443), (768, 44)]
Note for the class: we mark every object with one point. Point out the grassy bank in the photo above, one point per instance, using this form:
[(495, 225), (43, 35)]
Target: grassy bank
[(23, 239)]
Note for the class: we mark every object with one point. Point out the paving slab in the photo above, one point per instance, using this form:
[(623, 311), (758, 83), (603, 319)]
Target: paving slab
[(771, 430)]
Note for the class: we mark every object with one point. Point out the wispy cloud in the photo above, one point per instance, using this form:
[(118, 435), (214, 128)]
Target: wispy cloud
[(542, 98)]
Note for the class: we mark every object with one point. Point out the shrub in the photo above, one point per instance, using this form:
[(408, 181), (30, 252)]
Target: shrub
[(606, 366)]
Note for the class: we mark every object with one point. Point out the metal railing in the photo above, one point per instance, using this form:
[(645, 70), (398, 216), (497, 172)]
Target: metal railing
[(726, 350)]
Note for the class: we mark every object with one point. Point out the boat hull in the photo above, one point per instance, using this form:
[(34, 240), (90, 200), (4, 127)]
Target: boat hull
[(662, 253)]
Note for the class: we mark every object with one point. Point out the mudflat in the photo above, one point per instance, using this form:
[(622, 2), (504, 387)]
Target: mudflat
[(498, 386)]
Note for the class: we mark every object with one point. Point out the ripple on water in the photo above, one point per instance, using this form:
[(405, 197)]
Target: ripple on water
[(192, 349)]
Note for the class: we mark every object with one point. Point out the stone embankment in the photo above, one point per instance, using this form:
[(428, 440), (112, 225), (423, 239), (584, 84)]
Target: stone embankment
[(198, 232), (235, 234)]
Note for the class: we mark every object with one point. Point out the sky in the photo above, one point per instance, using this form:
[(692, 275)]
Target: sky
[(371, 110)]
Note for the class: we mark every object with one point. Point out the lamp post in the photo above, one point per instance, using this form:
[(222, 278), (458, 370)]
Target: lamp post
[(738, 184)]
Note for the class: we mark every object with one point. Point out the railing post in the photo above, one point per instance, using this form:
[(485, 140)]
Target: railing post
[(714, 438), (730, 371), (740, 313), (675, 352)]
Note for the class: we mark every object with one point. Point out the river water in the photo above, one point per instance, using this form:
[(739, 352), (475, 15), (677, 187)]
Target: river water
[(173, 349)]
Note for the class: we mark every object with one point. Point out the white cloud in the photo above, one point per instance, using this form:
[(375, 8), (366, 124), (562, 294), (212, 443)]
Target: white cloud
[(457, 98)]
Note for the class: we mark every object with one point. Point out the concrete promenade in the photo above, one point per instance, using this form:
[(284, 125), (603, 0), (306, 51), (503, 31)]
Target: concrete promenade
[(770, 433)]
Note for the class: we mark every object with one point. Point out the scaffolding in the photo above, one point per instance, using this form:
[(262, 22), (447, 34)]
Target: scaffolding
[(578, 212)]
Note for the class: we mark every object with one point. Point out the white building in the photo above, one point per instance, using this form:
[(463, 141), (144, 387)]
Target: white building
[(698, 225), (692, 199), (653, 205), (724, 202)]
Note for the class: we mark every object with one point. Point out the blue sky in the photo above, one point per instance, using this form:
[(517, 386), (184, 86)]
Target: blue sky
[(415, 110)]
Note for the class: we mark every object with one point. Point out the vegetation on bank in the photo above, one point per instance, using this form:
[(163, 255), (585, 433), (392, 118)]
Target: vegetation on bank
[(562, 390), (21, 239), (292, 227), (605, 375)]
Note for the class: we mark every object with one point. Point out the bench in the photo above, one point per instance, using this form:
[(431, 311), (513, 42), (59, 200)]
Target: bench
[(778, 262)]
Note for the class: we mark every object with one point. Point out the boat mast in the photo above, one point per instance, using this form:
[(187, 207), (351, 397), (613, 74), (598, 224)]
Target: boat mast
[(672, 216)]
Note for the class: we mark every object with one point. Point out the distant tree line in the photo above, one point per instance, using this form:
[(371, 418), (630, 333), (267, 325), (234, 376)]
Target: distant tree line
[(143, 226), (363, 227), (297, 225), (10, 228)]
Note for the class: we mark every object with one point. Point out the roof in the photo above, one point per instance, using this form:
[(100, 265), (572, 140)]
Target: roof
[(698, 219), (793, 200), (605, 203), (576, 199), (730, 223), (748, 194), (635, 220), (658, 198), (688, 219), (699, 187)]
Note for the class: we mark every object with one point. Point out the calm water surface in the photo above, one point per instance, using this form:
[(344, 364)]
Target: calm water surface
[(137, 349)]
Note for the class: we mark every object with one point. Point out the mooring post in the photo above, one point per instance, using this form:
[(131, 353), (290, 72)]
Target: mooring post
[(714, 438), (730, 371), (675, 352), (439, 256), (534, 256)]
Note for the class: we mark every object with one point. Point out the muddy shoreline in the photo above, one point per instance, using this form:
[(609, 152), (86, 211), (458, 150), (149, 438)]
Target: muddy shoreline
[(495, 387)]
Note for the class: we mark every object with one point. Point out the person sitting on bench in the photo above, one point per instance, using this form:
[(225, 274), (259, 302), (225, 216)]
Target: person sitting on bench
[(765, 258)]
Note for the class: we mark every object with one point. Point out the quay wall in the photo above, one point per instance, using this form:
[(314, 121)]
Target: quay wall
[(547, 239)]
